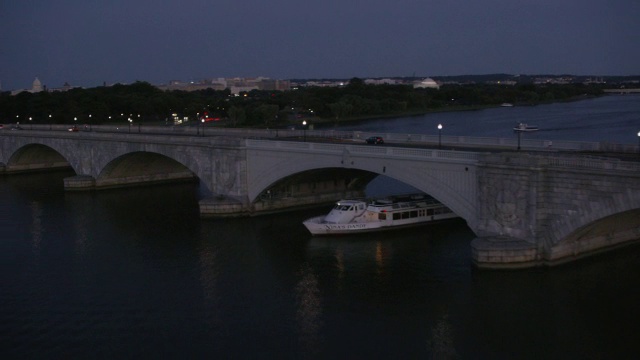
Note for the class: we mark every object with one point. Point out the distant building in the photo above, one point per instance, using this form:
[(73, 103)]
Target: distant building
[(65, 87), (381, 81), (503, 82), (235, 85), (36, 87), (427, 83)]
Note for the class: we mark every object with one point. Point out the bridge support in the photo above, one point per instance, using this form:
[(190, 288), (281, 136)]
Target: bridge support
[(223, 206), (539, 210), (79, 183), (503, 253)]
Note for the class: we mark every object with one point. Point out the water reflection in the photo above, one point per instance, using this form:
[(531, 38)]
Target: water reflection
[(209, 273), (382, 254), (309, 311), (82, 207), (441, 340), (339, 255), (36, 227)]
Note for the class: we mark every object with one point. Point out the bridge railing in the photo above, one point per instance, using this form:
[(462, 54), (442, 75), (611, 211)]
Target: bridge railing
[(361, 149), (592, 163), (354, 136)]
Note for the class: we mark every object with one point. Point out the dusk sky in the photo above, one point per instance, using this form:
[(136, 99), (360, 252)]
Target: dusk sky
[(89, 42)]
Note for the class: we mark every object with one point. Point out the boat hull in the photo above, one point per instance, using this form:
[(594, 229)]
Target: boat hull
[(317, 227)]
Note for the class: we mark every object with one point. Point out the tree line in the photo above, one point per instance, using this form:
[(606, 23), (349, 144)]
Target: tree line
[(261, 108)]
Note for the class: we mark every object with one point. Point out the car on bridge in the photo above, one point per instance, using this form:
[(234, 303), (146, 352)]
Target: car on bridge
[(375, 140)]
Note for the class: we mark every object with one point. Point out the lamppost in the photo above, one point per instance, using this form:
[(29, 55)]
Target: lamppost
[(139, 123), (304, 130), (202, 127), (638, 142), (31, 122), (439, 136), (130, 121), (49, 121), (89, 122)]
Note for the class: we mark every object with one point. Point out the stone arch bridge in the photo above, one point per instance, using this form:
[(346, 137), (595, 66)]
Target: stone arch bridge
[(526, 208)]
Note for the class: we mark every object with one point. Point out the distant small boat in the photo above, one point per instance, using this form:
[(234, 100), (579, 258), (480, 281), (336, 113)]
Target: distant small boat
[(506, 104), (522, 127)]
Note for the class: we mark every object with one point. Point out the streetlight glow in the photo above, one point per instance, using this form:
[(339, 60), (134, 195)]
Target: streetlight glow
[(304, 130), (439, 136)]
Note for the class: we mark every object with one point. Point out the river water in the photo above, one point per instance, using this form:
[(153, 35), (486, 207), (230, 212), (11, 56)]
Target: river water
[(614, 119), (136, 273)]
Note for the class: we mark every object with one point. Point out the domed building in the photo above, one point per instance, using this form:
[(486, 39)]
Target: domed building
[(427, 83), (36, 86)]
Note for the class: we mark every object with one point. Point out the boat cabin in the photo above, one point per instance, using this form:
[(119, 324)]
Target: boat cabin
[(345, 210)]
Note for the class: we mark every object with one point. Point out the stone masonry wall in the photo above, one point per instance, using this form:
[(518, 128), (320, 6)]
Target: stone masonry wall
[(562, 206)]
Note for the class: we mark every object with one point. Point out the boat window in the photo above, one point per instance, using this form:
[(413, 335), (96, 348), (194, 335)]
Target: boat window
[(396, 216), (382, 216), (429, 212)]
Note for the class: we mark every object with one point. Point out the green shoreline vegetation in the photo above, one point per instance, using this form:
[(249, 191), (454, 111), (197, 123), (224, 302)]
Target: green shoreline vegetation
[(357, 101)]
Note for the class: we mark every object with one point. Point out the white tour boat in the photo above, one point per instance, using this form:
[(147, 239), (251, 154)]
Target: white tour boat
[(358, 216), (522, 127)]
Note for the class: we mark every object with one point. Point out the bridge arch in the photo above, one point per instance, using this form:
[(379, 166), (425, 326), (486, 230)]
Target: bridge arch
[(142, 167), (36, 156), (616, 222), (452, 183)]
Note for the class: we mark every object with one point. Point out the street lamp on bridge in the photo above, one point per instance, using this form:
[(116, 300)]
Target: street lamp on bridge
[(638, 142), (439, 136), (304, 130)]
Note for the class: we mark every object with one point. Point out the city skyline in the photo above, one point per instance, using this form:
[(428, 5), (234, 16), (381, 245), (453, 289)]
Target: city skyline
[(86, 44)]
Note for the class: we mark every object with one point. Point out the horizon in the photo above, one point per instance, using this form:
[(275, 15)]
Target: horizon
[(44, 84), (89, 43)]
